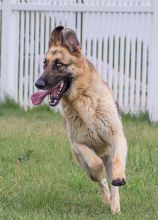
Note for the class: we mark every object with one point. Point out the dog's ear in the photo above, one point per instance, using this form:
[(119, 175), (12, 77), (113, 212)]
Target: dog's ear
[(56, 37), (69, 39)]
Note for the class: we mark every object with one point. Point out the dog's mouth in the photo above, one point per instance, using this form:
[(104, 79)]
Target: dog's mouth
[(54, 93)]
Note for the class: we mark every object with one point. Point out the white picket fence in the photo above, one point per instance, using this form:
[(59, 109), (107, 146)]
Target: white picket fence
[(120, 37)]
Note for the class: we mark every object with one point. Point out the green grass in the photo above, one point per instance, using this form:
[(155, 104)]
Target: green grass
[(47, 184)]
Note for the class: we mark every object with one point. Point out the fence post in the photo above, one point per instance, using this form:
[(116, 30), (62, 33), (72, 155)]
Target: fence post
[(153, 69), (9, 48)]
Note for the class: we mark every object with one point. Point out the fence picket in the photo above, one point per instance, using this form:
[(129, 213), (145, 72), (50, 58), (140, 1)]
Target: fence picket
[(127, 59), (31, 69), (110, 73), (37, 47), (1, 83), (26, 99), (47, 30), (17, 55), (138, 67), (116, 59), (21, 77), (42, 33), (132, 78)]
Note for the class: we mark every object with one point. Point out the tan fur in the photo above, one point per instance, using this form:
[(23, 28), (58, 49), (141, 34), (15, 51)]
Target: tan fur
[(93, 124)]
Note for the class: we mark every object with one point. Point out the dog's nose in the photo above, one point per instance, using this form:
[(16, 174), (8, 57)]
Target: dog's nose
[(40, 84)]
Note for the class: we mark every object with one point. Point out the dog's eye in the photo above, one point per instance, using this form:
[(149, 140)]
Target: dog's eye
[(57, 64), (45, 63)]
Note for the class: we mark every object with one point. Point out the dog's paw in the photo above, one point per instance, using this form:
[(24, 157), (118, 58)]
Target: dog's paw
[(115, 210), (115, 206), (118, 182)]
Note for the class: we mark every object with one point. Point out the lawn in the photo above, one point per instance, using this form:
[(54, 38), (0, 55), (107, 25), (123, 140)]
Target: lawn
[(39, 179)]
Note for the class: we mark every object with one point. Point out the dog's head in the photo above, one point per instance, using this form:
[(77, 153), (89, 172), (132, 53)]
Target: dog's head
[(60, 65)]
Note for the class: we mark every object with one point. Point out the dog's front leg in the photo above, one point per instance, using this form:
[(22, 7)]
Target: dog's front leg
[(116, 169), (119, 148), (93, 166)]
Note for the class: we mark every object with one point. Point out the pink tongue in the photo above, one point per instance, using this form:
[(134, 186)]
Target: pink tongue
[(38, 97)]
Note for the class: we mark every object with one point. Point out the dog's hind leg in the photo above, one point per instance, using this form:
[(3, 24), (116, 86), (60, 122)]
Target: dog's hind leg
[(94, 167), (105, 191)]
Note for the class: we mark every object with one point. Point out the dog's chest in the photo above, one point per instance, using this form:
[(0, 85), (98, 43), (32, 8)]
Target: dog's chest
[(84, 132), (79, 131)]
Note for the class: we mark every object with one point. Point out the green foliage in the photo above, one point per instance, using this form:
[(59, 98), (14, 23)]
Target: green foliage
[(39, 179)]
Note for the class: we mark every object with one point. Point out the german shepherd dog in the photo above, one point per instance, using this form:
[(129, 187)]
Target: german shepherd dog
[(89, 113)]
